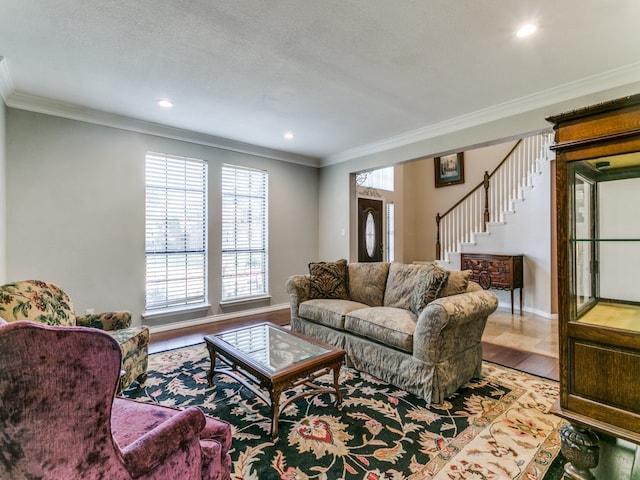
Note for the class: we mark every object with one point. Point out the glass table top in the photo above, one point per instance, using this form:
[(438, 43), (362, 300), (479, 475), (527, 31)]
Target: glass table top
[(270, 346)]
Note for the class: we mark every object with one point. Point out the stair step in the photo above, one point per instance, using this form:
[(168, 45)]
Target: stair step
[(516, 179)]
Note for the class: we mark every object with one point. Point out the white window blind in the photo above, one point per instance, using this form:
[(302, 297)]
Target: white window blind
[(244, 233), (176, 231)]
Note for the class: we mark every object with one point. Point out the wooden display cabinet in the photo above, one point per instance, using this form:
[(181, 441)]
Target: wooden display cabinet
[(598, 211)]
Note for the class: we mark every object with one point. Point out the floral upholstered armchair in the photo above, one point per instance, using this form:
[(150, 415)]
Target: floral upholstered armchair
[(60, 418), (46, 303)]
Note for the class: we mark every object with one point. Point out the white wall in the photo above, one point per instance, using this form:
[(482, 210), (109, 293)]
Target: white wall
[(75, 211), (527, 231), (3, 190), (426, 201), (337, 205), (336, 210)]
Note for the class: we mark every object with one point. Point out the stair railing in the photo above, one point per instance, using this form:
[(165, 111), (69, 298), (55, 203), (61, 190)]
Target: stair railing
[(492, 198)]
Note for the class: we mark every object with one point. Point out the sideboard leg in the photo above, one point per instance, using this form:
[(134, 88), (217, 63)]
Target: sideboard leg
[(580, 447), (521, 301), (511, 300)]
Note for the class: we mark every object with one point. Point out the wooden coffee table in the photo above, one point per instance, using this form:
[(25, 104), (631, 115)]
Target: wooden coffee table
[(267, 357)]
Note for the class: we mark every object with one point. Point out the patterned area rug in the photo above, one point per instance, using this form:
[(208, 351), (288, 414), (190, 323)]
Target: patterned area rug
[(496, 427)]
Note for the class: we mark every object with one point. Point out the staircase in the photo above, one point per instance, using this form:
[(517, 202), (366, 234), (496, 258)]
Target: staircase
[(492, 201)]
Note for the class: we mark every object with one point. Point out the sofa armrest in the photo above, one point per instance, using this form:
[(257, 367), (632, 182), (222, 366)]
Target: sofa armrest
[(105, 321), (452, 324), (297, 286), (160, 443), (473, 286)]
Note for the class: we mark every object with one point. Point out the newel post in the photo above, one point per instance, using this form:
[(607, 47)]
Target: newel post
[(485, 218), (438, 217)]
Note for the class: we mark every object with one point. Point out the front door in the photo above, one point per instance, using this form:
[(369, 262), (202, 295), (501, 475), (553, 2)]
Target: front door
[(370, 245)]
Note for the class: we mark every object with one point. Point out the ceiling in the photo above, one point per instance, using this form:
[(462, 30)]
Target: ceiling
[(340, 74)]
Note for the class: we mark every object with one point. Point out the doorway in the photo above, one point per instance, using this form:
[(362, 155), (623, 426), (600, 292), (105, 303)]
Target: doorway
[(370, 240)]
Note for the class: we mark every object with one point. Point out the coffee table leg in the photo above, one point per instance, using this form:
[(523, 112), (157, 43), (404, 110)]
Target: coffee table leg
[(212, 356), (336, 384), (275, 410)]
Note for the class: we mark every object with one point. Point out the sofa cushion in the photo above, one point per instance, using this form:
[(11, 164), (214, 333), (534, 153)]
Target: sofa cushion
[(328, 280), (456, 283), (389, 326), (367, 282), (430, 285), (328, 312), (401, 282)]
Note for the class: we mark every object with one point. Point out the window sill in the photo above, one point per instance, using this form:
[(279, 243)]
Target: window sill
[(172, 312), (242, 301)]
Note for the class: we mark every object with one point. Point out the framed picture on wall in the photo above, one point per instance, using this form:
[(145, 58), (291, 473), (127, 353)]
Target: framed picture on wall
[(449, 169)]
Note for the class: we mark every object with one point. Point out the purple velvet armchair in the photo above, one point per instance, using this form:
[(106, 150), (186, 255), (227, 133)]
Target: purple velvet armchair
[(60, 418)]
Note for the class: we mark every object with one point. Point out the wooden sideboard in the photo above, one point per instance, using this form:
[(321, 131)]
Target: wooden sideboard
[(502, 272)]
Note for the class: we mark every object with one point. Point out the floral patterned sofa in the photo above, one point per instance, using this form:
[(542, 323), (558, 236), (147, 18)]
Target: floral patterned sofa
[(48, 304), (418, 327)]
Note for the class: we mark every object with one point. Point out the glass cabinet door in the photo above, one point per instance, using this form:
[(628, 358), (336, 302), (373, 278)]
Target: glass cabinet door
[(605, 241), (583, 246)]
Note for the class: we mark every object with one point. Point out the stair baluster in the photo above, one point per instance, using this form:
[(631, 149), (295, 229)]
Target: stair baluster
[(493, 197)]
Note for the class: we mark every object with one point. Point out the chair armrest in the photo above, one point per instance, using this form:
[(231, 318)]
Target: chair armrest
[(159, 444), (297, 286), (450, 325), (105, 321)]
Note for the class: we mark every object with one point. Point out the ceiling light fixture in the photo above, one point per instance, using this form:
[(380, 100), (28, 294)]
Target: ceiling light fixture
[(165, 103), (526, 30), (289, 136)]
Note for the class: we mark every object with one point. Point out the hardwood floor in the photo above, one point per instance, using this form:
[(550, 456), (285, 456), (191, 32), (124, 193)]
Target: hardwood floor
[(192, 335), (524, 342)]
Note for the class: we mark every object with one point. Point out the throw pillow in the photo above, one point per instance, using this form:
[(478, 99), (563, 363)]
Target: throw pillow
[(328, 280), (457, 282), (401, 282), (430, 285), (367, 281)]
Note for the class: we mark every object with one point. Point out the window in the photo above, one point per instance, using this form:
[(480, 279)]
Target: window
[(176, 231), (391, 245), (244, 233), (381, 179)]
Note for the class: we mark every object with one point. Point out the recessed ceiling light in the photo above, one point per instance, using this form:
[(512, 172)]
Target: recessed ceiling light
[(289, 136), (165, 103), (526, 30)]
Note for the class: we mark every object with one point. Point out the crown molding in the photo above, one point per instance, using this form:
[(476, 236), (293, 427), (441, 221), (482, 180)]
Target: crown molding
[(587, 86), (6, 84), (75, 112), (611, 79)]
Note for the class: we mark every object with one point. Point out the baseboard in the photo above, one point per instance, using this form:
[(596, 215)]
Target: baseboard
[(533, 311)]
